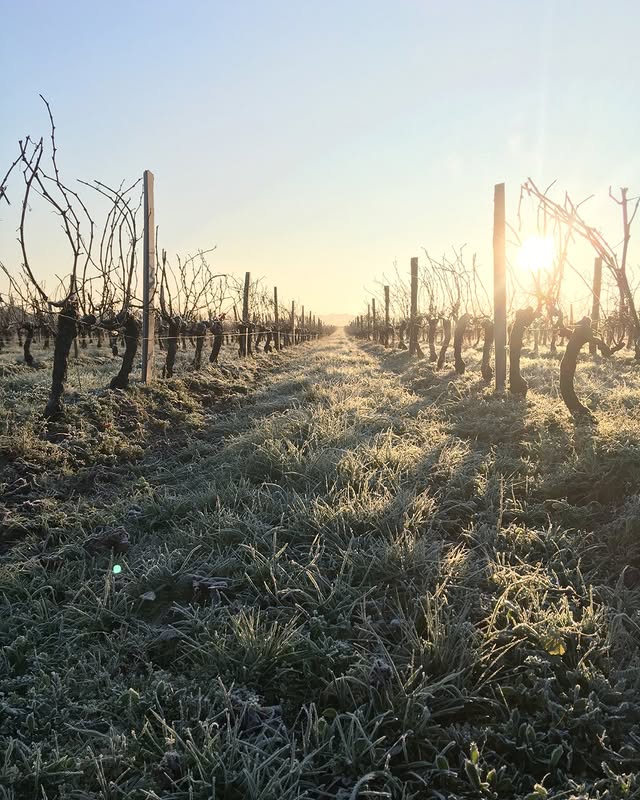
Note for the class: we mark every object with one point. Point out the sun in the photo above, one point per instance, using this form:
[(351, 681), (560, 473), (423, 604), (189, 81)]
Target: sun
[(536, 253)]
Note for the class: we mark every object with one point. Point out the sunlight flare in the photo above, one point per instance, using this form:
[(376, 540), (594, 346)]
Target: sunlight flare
[(536, 253)]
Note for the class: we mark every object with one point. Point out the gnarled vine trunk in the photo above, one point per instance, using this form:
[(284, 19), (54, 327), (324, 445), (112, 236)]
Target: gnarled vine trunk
[(218, 337), (201, 332), (431, 338), (401, 330), (416, 339), (131, 338), (67, 331), (581, 335), (486, 370), (446, 338), (524, 318), (28, 340), (458, 340), (172, 346)]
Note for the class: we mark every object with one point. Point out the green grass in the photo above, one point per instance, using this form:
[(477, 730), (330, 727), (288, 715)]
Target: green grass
[(343, 576)]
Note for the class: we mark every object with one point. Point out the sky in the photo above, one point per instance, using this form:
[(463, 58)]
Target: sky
[(317, 143)]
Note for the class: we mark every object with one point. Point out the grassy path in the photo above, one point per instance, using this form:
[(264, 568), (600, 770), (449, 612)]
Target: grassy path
[(360, 580)]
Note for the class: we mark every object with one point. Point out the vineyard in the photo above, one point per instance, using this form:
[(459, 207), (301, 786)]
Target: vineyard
[(244, 554), (102, 297)]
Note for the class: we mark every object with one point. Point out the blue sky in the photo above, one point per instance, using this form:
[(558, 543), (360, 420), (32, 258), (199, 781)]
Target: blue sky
[(316, 142)]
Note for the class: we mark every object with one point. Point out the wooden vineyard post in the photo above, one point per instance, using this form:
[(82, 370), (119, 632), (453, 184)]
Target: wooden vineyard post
[(386, 316), (276, 318), (373, 316), (302, 336), (499, 287), (595, 311), (245, 314), (368, 321), (149, 279), (413, 330), (293, 322)]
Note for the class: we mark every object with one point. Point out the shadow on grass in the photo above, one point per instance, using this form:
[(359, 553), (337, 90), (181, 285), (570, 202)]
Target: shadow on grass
[(534, 441)]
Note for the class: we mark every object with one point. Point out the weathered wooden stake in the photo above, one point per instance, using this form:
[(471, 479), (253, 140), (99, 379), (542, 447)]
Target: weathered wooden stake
[(373, 313), (293, 322), (413, 331), (386, 316), (499, 287), (245, 312), (276, 317), (595, 311), (149, 279)]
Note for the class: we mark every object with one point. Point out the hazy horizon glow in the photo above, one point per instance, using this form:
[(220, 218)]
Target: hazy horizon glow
[(316, 144)]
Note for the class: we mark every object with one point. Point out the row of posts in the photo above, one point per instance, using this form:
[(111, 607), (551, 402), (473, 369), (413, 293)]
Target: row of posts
[(149, 284), (372, 317), (499, 295), (298, 335)]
